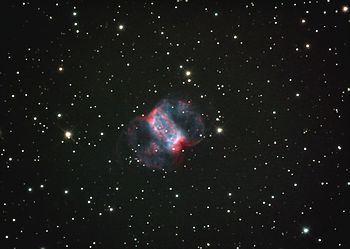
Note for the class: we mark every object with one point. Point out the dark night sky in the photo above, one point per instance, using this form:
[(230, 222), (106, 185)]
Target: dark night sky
[(270, 78)]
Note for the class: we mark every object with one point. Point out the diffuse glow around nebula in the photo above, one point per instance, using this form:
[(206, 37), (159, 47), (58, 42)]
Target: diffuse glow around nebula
[(159, 138)]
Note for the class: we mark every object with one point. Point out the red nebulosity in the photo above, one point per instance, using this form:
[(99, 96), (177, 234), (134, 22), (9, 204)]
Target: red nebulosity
[(178, 144), (152, 149), (150, 118)]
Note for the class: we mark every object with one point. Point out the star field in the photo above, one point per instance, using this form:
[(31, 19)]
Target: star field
[(270, 79)]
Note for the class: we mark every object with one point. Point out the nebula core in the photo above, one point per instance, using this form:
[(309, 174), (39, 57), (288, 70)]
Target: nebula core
[(159, 138)]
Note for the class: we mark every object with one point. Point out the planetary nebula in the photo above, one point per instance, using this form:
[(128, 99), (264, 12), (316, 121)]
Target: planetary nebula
[(160, 137)]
